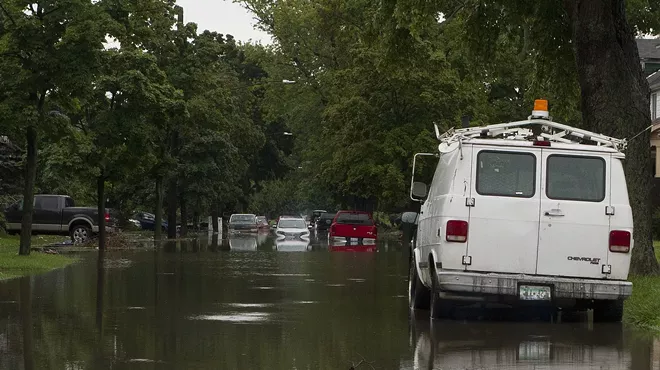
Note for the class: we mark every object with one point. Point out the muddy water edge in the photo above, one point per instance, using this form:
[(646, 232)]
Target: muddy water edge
[(252, 302)]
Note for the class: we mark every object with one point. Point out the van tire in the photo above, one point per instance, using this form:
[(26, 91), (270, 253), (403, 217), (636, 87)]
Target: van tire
[(440, 308), (419, 296), (608, 311)]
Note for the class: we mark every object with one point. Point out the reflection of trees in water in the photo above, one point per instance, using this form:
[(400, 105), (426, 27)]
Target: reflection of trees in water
[(46, 330), (26, 322)]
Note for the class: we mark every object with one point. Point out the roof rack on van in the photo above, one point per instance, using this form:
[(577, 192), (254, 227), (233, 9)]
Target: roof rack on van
[(532, 129)]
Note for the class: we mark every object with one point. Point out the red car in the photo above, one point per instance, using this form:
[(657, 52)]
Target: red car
[(353, 228)]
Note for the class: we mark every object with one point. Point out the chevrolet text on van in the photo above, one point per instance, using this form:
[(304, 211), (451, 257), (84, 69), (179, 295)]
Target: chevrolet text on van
[(530, 212)]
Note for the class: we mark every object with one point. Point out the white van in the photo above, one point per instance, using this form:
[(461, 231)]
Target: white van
[(523, 211)]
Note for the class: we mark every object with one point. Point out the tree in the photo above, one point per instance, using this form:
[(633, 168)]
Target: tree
[(47, 47), (361, 111), (615, 101), (148, 25)]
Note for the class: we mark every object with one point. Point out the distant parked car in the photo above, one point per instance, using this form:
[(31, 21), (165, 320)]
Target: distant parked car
[(57, 214), (147, 221), (292, 228), (316, 214), (262, 223), (243, 223), (353, 228), (324, 221)]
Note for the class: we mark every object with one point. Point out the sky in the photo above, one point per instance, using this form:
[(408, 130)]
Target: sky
[(223, 16)]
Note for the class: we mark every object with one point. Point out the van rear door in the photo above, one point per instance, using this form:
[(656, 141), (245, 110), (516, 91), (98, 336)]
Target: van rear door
[(503, 227), (574, 229)]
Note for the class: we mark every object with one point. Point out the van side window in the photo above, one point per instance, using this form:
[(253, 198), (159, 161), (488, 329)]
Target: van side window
[(506, 174), (575, 178)]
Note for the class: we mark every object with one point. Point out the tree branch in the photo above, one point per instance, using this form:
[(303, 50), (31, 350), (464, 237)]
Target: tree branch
[(7, 14)]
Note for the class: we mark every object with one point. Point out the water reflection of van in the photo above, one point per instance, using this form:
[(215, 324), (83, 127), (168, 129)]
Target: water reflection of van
[(490, 345), (295, 245), (243, 242)]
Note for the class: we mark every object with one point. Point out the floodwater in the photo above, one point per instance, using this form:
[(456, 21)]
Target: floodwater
[(252, 303)]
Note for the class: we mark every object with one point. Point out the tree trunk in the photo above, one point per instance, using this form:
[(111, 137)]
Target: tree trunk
[(196, 220), (28, 190), (171, 209), (158, 222), (100, 189), (184, 214), (615, 101)]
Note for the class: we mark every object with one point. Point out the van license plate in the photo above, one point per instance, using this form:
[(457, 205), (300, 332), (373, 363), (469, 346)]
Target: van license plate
[(534, 293)]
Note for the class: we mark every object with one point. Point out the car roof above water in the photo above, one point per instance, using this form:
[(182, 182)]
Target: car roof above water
[(242, 215)]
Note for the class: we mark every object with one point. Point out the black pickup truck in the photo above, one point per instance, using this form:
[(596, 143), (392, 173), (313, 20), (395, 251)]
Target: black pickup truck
[(57, 214)]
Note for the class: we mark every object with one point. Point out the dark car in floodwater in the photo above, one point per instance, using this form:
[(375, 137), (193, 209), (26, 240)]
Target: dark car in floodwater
[(315, 215), (58, 214), (324, 221), (243, 223), (147, 221)]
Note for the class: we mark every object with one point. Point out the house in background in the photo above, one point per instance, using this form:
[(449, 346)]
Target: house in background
[(654, 86), (649, 55)]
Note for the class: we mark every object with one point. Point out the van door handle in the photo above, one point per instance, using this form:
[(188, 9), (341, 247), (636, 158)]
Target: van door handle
[(554, 213)]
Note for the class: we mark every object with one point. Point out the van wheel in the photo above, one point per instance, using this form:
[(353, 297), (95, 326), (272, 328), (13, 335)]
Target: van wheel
[(80, 234), (608, 311), (440, 308), (419, 296)]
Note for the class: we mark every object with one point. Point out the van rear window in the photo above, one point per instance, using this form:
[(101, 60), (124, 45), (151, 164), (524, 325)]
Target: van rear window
[(506, 174), (575, 178)]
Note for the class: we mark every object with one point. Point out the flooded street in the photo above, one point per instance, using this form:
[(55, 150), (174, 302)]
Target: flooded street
[(252, 303)]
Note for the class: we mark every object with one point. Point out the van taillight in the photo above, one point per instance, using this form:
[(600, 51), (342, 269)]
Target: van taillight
[(457, 231), (620, 241)]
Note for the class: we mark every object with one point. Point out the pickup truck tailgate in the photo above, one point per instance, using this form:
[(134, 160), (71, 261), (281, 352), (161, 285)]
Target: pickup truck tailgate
[(353, 231)]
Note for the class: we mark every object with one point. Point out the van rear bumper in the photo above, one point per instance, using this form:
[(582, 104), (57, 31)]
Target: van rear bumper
[(507, 285)]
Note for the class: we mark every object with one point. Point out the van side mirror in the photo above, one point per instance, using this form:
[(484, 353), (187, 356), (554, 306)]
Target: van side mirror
[(409, 218), (419, 190)]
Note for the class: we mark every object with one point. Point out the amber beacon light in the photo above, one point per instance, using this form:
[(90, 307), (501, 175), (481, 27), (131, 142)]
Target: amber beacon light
[(540, 109)]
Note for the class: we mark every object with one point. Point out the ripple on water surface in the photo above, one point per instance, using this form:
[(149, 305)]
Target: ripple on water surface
[(249, 305), (237, 317)]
